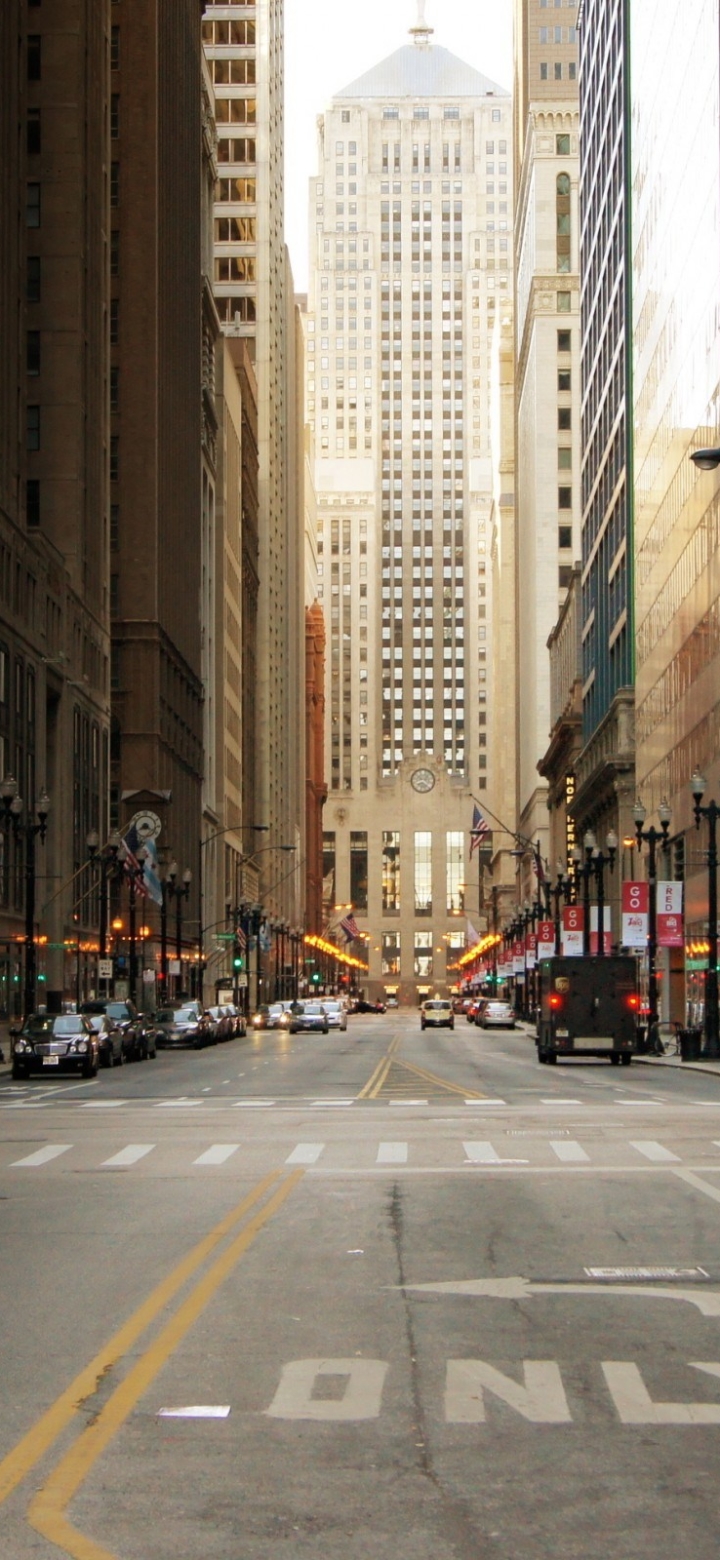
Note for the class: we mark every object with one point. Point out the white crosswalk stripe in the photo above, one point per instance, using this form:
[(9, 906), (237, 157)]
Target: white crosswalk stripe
[(41, 1156), (569, 1153), (392, 1154), (305, 1154), (654, 1151), (131, 1155), (481, 1153), (217, 1155)]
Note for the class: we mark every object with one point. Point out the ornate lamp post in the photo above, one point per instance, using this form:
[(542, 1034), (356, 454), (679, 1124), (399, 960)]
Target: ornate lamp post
[(26, 829), (177, 891), (598, 861), (582, 869), (652, 837), (711, 811), (107, 859)]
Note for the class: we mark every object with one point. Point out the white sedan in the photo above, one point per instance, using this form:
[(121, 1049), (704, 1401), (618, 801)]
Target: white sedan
[(336, 1015)]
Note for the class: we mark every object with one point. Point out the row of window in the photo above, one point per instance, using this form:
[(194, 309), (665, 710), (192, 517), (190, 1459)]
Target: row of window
[(558, 71)]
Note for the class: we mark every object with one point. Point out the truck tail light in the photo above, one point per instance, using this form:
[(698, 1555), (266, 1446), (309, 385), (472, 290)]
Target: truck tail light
[(633, 1002), (555, 1001)]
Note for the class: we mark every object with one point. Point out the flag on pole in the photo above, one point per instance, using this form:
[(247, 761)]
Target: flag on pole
[(471, 936), (349, 926), (134, 859), (479, 828), (240, 938)]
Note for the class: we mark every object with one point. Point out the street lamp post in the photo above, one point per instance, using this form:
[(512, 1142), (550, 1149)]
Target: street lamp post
[(28, 830), (583, 869), (653, 838), (107, 859), (598, 861), (177, 891), (711, 811)]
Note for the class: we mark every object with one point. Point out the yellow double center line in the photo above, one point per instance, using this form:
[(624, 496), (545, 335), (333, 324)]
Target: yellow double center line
[(377, 1078), (47, 1510)]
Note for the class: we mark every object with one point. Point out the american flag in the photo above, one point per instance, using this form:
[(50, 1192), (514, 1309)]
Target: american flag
[(349, 926), (133, 861), (240, 938), (478, 829)]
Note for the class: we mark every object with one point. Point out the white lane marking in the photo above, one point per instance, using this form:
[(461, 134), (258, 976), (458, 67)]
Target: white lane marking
[(333, 1102), (305, 1154), (403, 1103), (482, 1103), (699, 1185), (182, 1103), (481, 1153), (655, 1152), (196, 1411), (42, 1156), (540, 1399), (253, 1104), (100, 1104), (392, 1154), (128, 1156), (217, 1155), (561, 1102), (569, 1152)]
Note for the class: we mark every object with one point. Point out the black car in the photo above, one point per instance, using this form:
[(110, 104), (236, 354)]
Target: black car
[(110, 1039), (139, 1041), (183, 1026), (50, 1043)]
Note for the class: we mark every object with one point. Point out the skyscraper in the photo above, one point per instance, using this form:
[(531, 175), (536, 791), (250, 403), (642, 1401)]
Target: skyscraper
[(547, 388), (409, 252)]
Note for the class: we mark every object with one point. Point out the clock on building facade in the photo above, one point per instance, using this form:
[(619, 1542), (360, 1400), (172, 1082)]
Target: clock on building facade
[(422, 780)]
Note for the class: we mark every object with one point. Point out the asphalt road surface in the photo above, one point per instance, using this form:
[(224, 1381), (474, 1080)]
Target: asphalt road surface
[(379, 1295)]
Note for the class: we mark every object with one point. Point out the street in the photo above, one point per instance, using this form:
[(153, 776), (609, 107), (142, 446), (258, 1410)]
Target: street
[(380, 1293)]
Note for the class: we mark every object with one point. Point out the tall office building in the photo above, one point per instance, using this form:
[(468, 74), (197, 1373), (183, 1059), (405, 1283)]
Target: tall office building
[(547, 390), (605, 769), (410, 221), (54, 488), (676, 396), (253, 290)]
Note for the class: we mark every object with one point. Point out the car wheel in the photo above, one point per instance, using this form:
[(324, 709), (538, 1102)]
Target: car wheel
[(626, 1059), (614, 1059), (551, 1057)]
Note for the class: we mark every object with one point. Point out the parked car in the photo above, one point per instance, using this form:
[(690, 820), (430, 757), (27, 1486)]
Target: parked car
[(139, 1040), (110, 1039), (137, 1027), (183, 1026), (495, 1014), (337, 1017), (50, 1043), (437, 1012), (471, 1010), (309, 1016), (392, 1002), (224, 1020)]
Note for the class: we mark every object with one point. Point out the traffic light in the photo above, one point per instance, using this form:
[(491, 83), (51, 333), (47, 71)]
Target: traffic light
[(315, 976), (237, 957)]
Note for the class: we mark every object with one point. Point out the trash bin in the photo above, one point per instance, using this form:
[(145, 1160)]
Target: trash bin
[(690, 1040)]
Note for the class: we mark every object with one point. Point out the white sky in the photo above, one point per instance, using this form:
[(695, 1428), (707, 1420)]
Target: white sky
[(328, 43)]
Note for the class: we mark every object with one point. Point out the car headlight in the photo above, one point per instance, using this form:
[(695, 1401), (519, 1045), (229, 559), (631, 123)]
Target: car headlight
[(22, 1045), (78, 1045)]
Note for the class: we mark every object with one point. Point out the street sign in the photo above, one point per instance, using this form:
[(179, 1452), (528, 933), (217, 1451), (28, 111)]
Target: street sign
[(242, 980), (105, 969), (224, 936)]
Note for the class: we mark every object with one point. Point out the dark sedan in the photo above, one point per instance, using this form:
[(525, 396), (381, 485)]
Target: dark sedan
[(50, 1043), (139, 1040), (309, 1016), (183, 1026), (110, 1039)]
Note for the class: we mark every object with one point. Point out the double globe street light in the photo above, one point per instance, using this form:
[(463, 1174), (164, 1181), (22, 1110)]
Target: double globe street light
[(711, 812), (27, 830), (653, 838)]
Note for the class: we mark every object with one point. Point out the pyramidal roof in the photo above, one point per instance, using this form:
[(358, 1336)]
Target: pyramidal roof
[(418, 70)]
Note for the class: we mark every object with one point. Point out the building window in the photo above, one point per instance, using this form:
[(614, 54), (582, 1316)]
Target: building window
[(455, 897), (390, 953), (32, 206), (563, 302), (564, 379), (390, 869), (564, 418), (359, 870), (562, 145), (32, 352), (564, 459), (562, 217), (564, 576), (328, 870), (423, 955), (114, 184), (557, 70), (543, 72), (32, 502), (114, 116), (34, 57), (564, 498), (33, 137), (565, 536), (423, 873), (33, 427)]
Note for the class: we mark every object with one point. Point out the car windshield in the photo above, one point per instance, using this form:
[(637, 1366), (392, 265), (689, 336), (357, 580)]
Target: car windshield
[(68, 1025), (118, 1010), (313, 1008), (186, 1016), (165, 1016), (331, 1007), (437, 1007)]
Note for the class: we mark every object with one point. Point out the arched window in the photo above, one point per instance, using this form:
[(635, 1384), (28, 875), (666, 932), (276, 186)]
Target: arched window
[(562, 210)]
